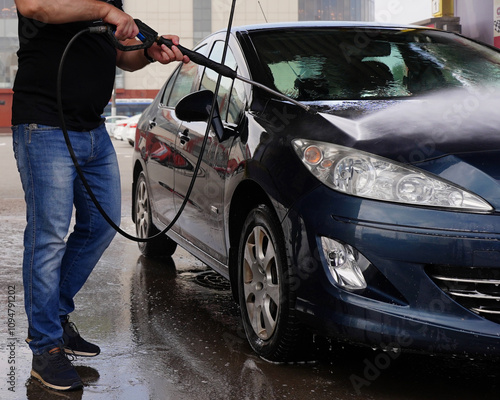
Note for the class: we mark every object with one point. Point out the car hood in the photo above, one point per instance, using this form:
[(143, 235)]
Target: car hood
[(417, 130)]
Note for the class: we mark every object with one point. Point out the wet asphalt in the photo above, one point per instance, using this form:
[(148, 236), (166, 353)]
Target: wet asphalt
[(169, 329)]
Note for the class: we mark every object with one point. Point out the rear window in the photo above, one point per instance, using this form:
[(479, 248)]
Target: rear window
[(334, 64)]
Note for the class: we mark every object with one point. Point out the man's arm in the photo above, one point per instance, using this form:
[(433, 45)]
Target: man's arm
[(63, 11)]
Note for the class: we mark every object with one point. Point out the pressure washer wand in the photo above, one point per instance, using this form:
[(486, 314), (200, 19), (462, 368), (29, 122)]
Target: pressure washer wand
[(148, 35)]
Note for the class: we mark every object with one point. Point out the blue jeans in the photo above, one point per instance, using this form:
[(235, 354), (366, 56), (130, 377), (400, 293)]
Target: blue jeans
[(56, 268)]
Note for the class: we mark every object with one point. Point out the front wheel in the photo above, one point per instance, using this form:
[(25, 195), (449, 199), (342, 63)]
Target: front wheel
[(265, 295), (161, 246)]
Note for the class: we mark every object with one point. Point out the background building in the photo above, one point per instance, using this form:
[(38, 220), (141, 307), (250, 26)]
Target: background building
[(336, 10), (479, 19), (191, 20)]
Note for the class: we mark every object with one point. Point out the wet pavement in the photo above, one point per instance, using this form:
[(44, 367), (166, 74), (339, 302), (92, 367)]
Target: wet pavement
[(168, 329)]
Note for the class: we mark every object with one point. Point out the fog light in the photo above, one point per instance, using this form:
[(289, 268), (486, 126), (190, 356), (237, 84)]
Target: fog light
[(345, 264)]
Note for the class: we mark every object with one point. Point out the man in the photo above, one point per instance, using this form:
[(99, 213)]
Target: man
[(54, 270)]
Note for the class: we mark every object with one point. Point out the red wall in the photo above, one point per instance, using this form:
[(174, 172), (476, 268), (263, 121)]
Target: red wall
[(5, 107)]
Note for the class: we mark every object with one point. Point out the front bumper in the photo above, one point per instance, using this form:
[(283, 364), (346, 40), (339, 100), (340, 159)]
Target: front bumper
[(402, 306)]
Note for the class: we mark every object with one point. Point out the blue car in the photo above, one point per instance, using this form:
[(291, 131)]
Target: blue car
[(358, 200)]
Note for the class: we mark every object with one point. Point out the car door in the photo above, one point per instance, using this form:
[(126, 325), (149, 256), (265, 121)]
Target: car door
[(202, 221), (163, 159)]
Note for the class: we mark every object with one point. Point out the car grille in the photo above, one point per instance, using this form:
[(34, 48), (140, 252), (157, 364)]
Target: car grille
[(477, 289)]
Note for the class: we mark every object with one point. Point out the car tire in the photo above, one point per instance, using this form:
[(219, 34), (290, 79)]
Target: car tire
[(266, 297), (161, 246)]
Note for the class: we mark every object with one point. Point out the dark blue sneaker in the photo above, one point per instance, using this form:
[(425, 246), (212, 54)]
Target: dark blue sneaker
[(54, 370), (76, 345)]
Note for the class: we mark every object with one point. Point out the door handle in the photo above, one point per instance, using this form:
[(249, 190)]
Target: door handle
[(183, 136), (152, 123)]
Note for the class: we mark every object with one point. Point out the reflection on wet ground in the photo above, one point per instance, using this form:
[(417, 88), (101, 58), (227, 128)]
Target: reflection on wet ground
[(169, 329)]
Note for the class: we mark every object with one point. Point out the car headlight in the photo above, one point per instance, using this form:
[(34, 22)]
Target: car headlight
[(366, 175)]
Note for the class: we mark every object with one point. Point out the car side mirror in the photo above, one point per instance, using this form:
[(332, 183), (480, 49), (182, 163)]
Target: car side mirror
[(197, 106)]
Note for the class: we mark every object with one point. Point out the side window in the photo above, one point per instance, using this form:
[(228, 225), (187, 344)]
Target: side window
[(185, 83), (231, 93)]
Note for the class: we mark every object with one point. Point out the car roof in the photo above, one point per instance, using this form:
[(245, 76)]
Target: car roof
[(323, 24)]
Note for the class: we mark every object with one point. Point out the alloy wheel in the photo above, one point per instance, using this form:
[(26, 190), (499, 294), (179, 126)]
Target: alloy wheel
[(261, 282)]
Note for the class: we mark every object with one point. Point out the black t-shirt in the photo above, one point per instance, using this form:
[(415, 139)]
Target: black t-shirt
[(87, 80)]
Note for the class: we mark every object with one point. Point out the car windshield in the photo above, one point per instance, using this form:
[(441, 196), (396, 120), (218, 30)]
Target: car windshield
[(334, 64)]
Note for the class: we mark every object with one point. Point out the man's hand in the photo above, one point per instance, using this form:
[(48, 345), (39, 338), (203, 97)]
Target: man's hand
[(165, 55), (134, 60), (125, 25)]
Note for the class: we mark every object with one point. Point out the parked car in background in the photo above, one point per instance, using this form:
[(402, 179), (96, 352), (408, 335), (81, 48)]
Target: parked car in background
[(111, 122), (125, 129), (130, 129), (365, 208), (127, 107)]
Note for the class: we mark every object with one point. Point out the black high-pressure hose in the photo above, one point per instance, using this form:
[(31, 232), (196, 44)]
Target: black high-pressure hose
[(147, 42), (68, 141)]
